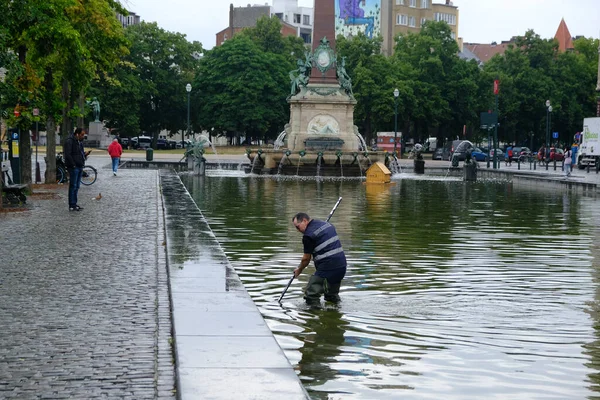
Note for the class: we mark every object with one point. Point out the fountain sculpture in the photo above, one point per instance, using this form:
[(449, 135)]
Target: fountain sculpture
[(321, 138)]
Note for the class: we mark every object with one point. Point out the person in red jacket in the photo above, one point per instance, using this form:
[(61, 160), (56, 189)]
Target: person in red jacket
[(114, 151)]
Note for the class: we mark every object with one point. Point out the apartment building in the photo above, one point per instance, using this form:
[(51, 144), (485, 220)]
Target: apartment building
[(295, 21), (301, 18), (404, 16), (130, 19)]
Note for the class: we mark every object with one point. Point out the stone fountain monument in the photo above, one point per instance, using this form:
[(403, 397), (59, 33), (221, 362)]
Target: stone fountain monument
[(321, 132)]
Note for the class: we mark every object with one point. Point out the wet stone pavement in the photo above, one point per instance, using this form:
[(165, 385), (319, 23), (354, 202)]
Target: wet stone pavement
[(84, 305)]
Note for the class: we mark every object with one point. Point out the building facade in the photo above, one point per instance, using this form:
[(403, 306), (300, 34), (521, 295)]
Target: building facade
[(127, 20), (299, 17), (295, 21), (404, 16)]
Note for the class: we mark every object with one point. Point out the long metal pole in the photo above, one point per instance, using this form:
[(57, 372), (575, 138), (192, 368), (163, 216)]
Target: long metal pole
[(188, 123), (37, 141), (293, 276), (547, 129), (550, 125), (396, 126), (496, 163)]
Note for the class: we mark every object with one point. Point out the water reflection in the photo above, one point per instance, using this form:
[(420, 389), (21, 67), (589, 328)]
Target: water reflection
[(454, 290)]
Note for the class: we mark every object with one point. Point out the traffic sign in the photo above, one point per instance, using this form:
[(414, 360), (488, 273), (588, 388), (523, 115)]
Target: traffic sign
[(36, 112), (554, 135), (488, 118)]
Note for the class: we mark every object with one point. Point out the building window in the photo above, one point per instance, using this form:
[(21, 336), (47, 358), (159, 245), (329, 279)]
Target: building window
[(423, 20), (306, 37), (450, 19), (306, 19), (411, 21), (279, 15), (453, 35), (297, 18), (401, 19), (413, 3), (424, 3), (399, 2)]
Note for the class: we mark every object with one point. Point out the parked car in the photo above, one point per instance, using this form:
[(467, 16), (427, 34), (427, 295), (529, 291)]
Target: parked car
[(556, 154), (479, 155), (438, 154), (141, 142), (500, 154), (520, 151), (186, 143), (459, 149), (161, 144)]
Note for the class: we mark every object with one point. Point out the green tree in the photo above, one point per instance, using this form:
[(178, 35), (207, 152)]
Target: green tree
[(267, 35), (147, 91), (444, 85), (244, 90), (58, 43), (533, 71)]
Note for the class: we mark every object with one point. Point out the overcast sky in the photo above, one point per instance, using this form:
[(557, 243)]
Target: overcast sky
[(481, 21)]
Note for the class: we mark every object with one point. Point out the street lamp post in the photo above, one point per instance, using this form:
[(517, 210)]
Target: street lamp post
[(188, 89), (36, 114), (396, 94), (548, 111)]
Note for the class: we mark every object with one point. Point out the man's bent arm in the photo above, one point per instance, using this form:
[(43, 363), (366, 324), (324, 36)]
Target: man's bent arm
[(303, 264)]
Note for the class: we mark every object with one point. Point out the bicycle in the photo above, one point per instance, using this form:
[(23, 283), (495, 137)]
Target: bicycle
[(88, 176)]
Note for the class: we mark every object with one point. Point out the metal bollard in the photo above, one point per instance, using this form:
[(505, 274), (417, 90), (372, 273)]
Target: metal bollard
[(588, 168), (534, 164), (547, 166), (555, 164)]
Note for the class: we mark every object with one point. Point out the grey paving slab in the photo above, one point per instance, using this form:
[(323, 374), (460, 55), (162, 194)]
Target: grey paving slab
[(198, 285), (212, 323), (241, 384), (231, 352), (211, 302), (194, 269)]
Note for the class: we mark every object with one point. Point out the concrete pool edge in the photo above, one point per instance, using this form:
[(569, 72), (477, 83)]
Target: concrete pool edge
[(222, 346)]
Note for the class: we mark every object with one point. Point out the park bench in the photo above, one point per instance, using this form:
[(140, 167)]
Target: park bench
[(11, 194), (14, 194)]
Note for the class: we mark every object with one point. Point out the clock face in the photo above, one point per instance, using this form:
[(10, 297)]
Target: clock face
[(323, 59)]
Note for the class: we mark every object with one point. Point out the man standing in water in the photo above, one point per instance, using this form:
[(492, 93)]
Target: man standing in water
[(322, 244)]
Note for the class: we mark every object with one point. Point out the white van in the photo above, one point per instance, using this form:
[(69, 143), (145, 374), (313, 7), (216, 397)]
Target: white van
[(141, 142), (430, 144)]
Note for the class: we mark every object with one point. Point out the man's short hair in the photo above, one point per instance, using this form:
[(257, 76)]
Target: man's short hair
[(301, 217), (78, 131)]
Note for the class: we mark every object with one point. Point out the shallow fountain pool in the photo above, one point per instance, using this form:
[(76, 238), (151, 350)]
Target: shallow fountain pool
[(454, 290)]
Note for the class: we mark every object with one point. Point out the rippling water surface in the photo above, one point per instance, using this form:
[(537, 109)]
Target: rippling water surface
[(453, 291)]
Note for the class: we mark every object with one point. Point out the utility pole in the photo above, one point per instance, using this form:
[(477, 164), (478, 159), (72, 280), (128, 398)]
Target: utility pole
[(496, 92), (598, 87)]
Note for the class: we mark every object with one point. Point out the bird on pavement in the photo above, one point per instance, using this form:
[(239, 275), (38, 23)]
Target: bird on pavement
[(98, 197)]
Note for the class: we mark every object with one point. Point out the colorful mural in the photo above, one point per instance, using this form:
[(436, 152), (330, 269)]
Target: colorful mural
[(353, 16)]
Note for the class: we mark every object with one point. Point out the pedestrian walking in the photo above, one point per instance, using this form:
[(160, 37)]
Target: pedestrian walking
[(321, 244), (74, 161), (115, 151), (567, 166), (509, 155)]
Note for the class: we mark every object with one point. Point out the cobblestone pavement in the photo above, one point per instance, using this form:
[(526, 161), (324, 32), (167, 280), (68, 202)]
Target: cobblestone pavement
[(84, 306)]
